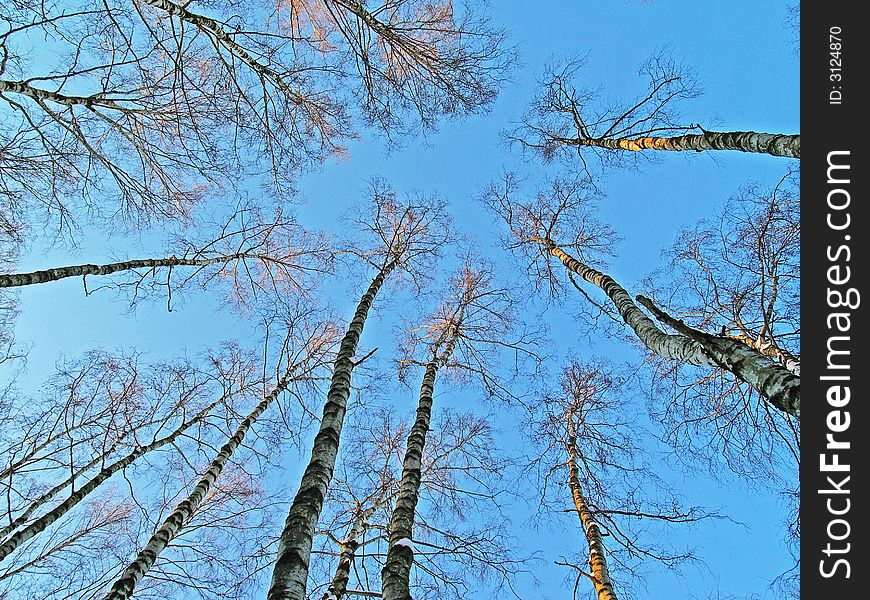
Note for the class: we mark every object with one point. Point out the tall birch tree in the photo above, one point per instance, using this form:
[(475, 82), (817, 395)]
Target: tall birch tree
[(254, 252), (465, 334), (587, 453), (567, 120), (395, 236), (559, 221)]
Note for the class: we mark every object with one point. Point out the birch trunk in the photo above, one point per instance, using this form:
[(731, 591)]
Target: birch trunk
[(135, 571), (290, 575), (50, 494), (396, 574), (40, 524), (784, 357), (772, 380), (22, 279), (744, 141), (597, 558), (678, 347), (349, 545)]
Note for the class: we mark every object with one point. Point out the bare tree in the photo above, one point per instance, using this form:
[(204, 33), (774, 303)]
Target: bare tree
[(107, 416), (305, 350), (736, 273), (474, 315), (254, 252), (564, 119), (462, 476), (536, 230), (150, 102), (586, 442), (403, 237)]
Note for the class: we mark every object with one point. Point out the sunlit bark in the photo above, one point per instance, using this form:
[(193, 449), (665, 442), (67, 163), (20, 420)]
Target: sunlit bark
[(597, 557), (743, 141)]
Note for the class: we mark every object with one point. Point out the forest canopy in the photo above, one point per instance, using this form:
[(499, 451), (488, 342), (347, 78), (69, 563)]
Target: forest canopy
[(327, 299)]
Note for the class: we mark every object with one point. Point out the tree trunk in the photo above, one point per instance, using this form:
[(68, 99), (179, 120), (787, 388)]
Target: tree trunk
[(784, 357), (22, 279), (50, 494), (744, 141), (290, 575), (678, 347), (772, 380), (39, 525), (349, 545), (597, 557), (396, 574), (135, 571)]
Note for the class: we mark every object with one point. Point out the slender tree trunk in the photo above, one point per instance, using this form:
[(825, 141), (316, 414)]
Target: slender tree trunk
[(50, 494), (22, 279), (290, 575), (396, 574), (678, 347), (597, 556), (772, 380), (38, 94), (349, 545), (135, 571), (40, 524), (744, 141)]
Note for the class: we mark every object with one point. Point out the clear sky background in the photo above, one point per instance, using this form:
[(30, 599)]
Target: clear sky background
[(746, 60)]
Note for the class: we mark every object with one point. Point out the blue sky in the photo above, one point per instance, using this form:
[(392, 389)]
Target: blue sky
[(747, 64)]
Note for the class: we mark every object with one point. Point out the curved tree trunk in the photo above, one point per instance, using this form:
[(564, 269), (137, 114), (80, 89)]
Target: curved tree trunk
[(774, 381), (40, 524), (678, 347), (597, 558), (22, 279), (290, 575), (135, 571), (743, 141)]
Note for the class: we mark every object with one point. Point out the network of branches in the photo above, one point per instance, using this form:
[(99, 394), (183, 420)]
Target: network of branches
[(420, 406)]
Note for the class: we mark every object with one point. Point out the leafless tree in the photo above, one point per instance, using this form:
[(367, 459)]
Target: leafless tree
[(737, 273), (306, 350), (397, 236), (150, 102), (99, 417), (559, 220), (461, 538), (465, 334), (586, 449), (255, 253), (564, 119)]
